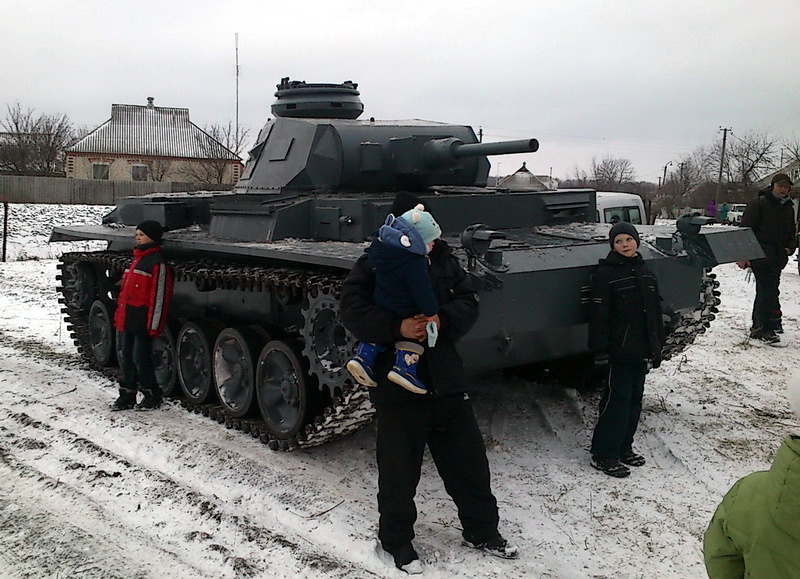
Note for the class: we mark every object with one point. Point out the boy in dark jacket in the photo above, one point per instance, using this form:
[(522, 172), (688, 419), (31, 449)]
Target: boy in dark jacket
[(625, 331), (771, 216), (399, 258), (141, 315), (442, 420)]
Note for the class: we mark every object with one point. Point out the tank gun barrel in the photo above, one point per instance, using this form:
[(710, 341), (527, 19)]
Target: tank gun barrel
[(443, 152)]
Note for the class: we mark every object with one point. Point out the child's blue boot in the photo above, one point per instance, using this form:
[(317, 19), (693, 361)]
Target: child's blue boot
[(362, 364), (404, 371)]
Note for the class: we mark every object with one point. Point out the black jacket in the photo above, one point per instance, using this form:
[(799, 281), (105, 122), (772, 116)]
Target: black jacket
[(773, 224), (441, 367), (625, 315)]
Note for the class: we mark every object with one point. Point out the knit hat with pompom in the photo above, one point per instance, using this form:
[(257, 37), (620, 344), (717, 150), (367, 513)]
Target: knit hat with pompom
[(424, 223)]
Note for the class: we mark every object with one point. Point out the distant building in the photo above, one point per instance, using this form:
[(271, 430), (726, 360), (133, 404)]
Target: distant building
[(150, 143), (524, 180)]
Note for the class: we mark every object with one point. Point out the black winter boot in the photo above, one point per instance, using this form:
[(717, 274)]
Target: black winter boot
[(151, 401), (126, 401)]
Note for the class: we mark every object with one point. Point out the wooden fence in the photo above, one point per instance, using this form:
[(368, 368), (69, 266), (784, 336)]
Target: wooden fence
[(16, 189)]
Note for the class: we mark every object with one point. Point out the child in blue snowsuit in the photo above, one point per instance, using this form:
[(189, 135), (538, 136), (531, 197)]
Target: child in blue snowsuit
[(398, 256)]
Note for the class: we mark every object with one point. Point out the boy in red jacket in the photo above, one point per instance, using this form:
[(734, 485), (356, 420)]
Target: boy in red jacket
[(141, 314)]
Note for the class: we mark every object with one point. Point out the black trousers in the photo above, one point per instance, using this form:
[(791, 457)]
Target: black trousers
[(136, 363), (620, 408), (767, 305), (448, 427)]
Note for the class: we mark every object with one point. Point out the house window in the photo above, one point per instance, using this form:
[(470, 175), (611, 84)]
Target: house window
[(139, 172), (100, 170)]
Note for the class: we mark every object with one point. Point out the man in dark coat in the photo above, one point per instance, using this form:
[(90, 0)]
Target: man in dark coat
[(771, 216), (442, 419), (142, 309)]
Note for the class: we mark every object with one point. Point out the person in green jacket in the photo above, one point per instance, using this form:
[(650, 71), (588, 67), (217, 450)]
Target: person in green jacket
[(755, 531)]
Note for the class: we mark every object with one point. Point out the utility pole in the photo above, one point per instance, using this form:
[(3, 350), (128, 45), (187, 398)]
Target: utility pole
[(721, 163), (664, 180)]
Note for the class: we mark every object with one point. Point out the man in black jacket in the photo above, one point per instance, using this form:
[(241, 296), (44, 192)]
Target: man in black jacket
[(442, 419), (771, 216)]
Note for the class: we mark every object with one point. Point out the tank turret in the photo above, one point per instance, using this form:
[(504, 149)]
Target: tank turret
[(315, 143)]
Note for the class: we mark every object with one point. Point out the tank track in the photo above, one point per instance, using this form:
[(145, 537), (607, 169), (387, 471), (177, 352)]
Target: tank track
[(685, 329), (350, 408)]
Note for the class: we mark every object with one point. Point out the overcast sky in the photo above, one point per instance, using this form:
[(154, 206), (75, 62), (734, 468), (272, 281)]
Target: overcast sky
[(645, 80)]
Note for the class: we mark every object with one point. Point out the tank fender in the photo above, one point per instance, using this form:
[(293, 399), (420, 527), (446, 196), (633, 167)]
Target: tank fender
[(711, 247)]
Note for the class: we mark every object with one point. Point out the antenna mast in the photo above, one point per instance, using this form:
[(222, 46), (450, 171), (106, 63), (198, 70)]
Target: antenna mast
[(237, 94)]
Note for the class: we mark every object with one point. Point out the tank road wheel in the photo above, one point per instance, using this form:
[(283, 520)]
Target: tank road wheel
[(328, 345), (79, 286), (164, 361), (234, 364), (193, 353), (101, 335), (281, 389)]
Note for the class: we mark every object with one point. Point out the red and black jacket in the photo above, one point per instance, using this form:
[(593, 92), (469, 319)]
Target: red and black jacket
[(143, 304)]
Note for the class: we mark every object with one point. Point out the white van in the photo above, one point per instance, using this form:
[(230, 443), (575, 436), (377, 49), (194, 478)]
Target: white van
[(735, 212), (613, 207)]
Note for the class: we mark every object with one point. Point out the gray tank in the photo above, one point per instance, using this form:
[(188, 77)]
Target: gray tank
[(254, 338)]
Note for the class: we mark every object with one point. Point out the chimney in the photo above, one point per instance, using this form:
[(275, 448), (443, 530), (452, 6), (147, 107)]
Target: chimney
[(150, 102)]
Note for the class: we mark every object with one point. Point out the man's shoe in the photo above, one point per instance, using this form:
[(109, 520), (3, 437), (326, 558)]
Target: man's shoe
[(497, 546), (404, 371), (404, 558), (611, 467), (769, 337), (126, 401), (632, 459), (149, 402)]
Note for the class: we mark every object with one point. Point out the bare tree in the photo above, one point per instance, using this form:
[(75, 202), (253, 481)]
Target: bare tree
[(159, 168), (55, 134), (216, 152), (18, 143), (579, 179), (792, 148), (611, 173), (31, 144), (748, 157)]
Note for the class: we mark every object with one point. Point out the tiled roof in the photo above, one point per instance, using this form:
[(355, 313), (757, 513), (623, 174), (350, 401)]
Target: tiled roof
[(153, 131)]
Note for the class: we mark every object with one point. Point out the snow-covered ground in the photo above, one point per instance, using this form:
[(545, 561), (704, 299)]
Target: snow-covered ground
[(89, 493)]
